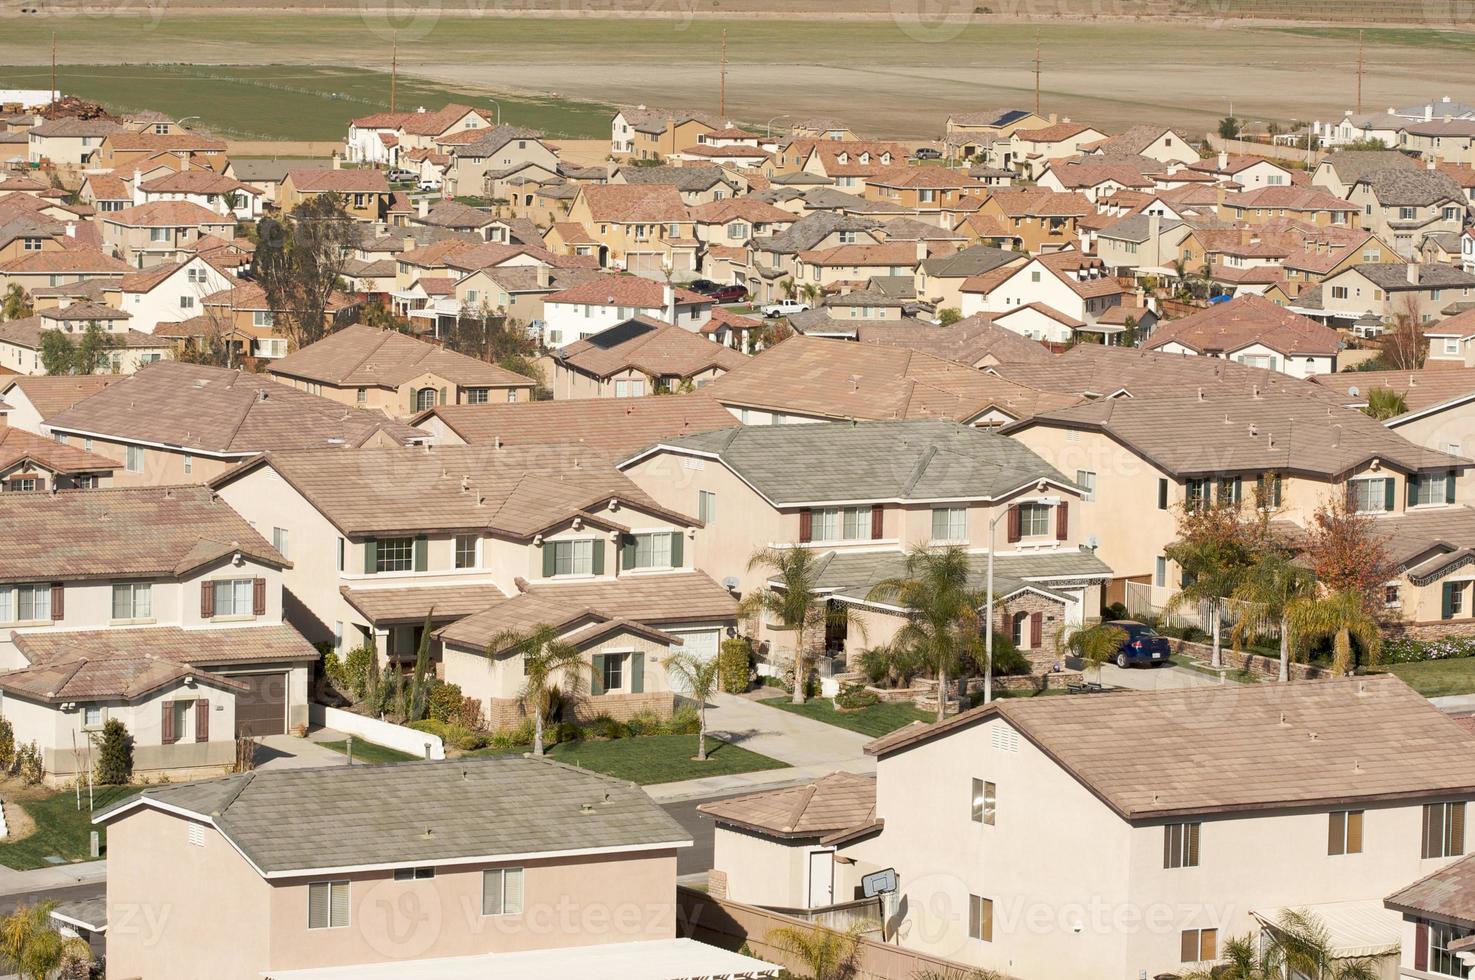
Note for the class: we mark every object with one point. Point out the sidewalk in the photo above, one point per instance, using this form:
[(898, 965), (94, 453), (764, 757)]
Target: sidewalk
[(14, 882)]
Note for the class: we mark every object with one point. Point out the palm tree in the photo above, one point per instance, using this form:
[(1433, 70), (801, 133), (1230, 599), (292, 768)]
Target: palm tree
[(810, 292), (16, 305), (794, 603), (544, 658), (1341, 616), (1242, 958), (1384, 404), (1095, 644), (1269, 589), (698, 677), (1304, 948), (942, 625), (787, 288), (32, 948), (830, 955)]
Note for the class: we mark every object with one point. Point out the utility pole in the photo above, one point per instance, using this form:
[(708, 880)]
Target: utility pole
[(393, 67), (53, 69), (722, 83), (1359, 72), (1037, 73)]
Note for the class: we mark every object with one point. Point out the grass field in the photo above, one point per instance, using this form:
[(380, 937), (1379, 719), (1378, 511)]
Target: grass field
[(61, 829), (649, 759), (370, 752), (877, 720), (1437, 678)]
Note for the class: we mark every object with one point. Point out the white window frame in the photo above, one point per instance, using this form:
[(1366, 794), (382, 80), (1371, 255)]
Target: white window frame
[(579, 559), (227, 600), (508, 890), (952, 522), (137, 599), (332, 889)]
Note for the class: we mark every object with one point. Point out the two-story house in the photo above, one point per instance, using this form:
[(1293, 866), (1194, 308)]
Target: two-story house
[(1402, 206), (162, 231)]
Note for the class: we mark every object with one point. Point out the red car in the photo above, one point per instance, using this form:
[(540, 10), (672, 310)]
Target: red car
[(729, 294)]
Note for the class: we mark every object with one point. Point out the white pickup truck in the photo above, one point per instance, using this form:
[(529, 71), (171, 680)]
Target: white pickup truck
[(784, 307)]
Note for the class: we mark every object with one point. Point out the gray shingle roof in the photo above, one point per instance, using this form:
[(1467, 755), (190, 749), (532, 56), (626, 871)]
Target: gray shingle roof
[(867, 461), (810, 230), (290, 821), (854, 574), (1412, 188), (974, 261), (1351, 165), (1394, 276)]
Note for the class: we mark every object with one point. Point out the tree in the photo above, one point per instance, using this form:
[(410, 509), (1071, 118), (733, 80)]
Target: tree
[(299, 265), (33, 949), (114, 754), (1340, 616), (86, 355), (948, 315), (1384, 404), (16, 305), (418, 703), (1095, 644), (1214, 548), (1229, 127), (1403, 345), (544, 659), (788, 288), (697, 676), (1304, 948), (828, 954), (794, 604), (1242, 958), (811, 293), (942, 627), (1347, 552), (1269, 590)]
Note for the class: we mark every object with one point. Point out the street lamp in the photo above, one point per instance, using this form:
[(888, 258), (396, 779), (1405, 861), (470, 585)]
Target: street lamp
[(499, 110), (988, 620), (786, 115), (181, 122)]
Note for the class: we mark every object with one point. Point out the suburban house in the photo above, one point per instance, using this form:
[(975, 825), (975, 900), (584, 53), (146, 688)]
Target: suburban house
[(168, 292), (365, 193), (33, 398), (492, 853), (161, 231), (974, 341), (1067, 281), (1254, 331), (32, 464), (164, 611), (395, 373), (204, 187), (650, 133), (1385, 292), (1438, 920), (128, 350), (1402, 206), (596, 304), (645, 229), (638, 357), (1439, 400)]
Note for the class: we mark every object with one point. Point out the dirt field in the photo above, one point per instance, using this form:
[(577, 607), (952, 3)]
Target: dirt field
[(886, 68)]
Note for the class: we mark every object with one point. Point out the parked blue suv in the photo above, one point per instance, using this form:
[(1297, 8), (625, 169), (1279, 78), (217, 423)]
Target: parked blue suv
[(1143, 645)]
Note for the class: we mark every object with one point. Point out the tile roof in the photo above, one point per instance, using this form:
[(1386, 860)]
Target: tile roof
[(1257, 746), (72, 127), (1447, 895), (1393, 276), (1249, 319), (973, 261), (1421, 389), (1040, 202), (1412, 188), (135, 532), (635, 202), (624, 289), (649, 346), (196, 647), (886, 254), (359, 355), (748, 209), (1289, 198), (608, 427), (156, 214), (197, 182), (1351, 166), (50, 394), (871, 461), (420, 812), (116, 677), (837, 802), (362, 181), (856, 573), (968, 341), (412, 604), (89, 261), (17, 445), (222, 411)]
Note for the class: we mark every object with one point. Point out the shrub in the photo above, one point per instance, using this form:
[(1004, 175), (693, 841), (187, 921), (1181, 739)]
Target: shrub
[(563, 731), (452, 734), (469, 715), (855, 696), (359, 670), (1115, 611), (114, 754), (1008, 660), (644, 723), (28, 765), (684, 721), (7, 745), (445, 703), (949, 315), (603, 726), (735, 664), (1406, 650)]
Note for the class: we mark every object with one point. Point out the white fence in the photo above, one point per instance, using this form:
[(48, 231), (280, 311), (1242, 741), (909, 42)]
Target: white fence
[(384, 733)]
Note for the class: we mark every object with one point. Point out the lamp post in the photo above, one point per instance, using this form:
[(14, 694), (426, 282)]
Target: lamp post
[(786, 115), (988, 621), (499, 110)]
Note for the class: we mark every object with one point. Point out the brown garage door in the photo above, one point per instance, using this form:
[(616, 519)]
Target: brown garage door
[(262, 708)]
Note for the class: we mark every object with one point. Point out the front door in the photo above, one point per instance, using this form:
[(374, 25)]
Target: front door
[(821, 879)]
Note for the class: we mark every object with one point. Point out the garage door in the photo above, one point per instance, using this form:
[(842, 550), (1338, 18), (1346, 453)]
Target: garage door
[(262, 708), (698, 643)]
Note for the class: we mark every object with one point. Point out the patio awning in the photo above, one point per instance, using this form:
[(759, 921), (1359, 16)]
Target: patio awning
[(1354, 929), (661, 959)]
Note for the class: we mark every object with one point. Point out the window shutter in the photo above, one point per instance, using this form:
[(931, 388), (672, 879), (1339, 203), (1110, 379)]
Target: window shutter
[(1449, 487), (678, 558), (1014, 529), (1036, 629), (1421, 945), (207, 600), (598, 560), (1446, 601), (627, 552), (371, 556), (422, 554), (1190, 860), (1351, 496), (202, 720), (1412, 485), (806, 525), (317, 906), (878, 522), (1456, 829), (1388, 494), (166, 723), (1062, 521), (258, 597), (58, 602), (548, 566), (637, 673), (596, 683), (1336, 832), (1188, 947), (443, 396), (1162, 494)]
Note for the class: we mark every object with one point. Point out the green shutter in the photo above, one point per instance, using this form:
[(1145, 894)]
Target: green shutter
[(1446, 601), (422, 549), (1412, 484), (1388, 494), (443, 396), (548, 567), (1239, 489), (1449, 487), (599, 556), (637, 673), (676, 545), (627, 552), (596, 683), (371, 556)]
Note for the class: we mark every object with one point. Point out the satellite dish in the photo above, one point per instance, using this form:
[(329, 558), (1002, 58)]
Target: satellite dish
[(730, 583), (1352, 391)]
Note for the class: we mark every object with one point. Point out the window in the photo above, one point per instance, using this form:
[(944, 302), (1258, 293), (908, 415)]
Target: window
[(1408, 214), (841, 524), (1162, 494), (133, 600), (1200, 945), (158, 234), (189, 463), (1344, 832), (1451, 345), (613, 671), (466, 551), (261, 318), (1428, 488), (1391, 598), (706, 506), (186, 302), (425, 399), (327, 905), (134, 459), (981, 918), (949, 524), (1180, 845), (1444, 830), (573, 558), (1034, 520), (476, 396), (33, 602), (1160, 572), (653, 550), (1441, 961), (1339, 292), (984, 802), (395, 555), (1368, 496), (92, 716), (1086, 480), (279, 541), (362, 398), (413, 874), (501, 891), (233, 597), (342, 554)]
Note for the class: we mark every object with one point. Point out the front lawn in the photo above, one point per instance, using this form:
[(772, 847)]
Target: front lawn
[(879, 719), (61, 829), (649, 759), (1436, 678), (365, 751)]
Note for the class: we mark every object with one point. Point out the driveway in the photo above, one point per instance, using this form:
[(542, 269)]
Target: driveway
[(291, 752), (1156, 678)]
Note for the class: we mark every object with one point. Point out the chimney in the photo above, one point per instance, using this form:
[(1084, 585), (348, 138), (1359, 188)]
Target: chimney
[(1413, 274), (1154, 227), (1428, 113), (423, 207), (669, 296), (337, 161), (1223, 161), (409, 243), (921, 250), (71, 229), (544, 274)]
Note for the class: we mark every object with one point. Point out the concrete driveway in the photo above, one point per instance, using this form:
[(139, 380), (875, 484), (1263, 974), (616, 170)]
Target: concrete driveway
[(1155, 678)]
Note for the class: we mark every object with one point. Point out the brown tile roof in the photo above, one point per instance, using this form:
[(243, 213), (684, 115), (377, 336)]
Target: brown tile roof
[(413, 604), (358, 355), (126, 140), (607, 427), (106, 187), (1025, 202), (1421, 390), (361, 181), (216, 410), (114, 678), (132, 533), (197, 182), (624, 290), (65, 261), (52, 394), (17, 445), (748, 209), (651, 347), (1290, 198), (1244, 320), (1447, 895), (197, 647), (519, 492), (1257, 746), (968, 341), (634, 202), (888, 254), (167, 214), (838, 802), (651, 600), (435, 123)]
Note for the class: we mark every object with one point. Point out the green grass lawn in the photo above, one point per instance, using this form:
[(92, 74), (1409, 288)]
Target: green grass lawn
[(877, 720), (1436, 678), (61, 829), (364, 751), (649, 759)]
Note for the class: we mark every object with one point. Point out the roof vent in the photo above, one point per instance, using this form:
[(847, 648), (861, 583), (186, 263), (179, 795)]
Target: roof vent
[(586, 808), (1313, 736), (1200, 394), (1254, 430)]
